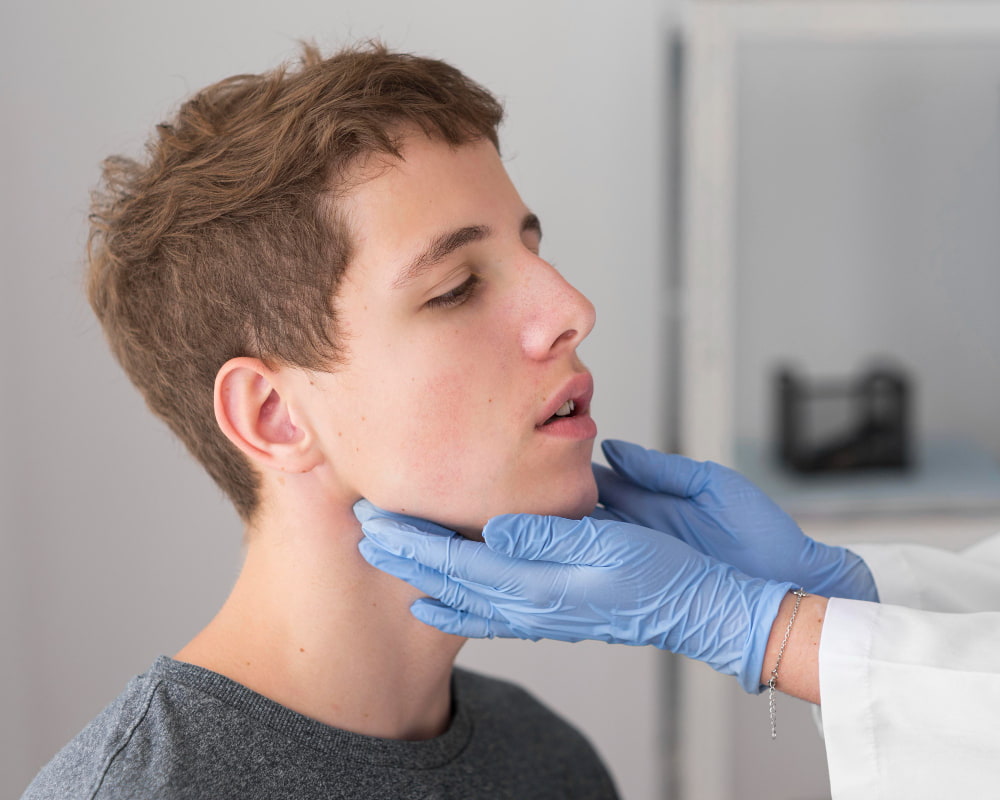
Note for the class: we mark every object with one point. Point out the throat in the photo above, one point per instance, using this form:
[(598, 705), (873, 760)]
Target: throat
[(307, 635)]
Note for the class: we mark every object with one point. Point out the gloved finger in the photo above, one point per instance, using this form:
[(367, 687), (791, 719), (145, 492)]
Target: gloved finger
[(666, 473), (473, 563), (617, 493), (460, 623), (627, 498), (365, 510), (425, 579), (631, 503), (541, 538)]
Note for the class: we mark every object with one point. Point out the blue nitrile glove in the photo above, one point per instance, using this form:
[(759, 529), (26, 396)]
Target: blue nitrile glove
[(573, 579), (719, 512)]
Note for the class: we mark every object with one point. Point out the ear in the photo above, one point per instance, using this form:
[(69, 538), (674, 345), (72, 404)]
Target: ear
[(253, 410)]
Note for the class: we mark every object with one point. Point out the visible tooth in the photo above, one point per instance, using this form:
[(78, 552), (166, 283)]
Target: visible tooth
[(566, 409)]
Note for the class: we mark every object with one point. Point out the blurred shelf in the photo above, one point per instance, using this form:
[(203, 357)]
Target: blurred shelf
[(950, 477)]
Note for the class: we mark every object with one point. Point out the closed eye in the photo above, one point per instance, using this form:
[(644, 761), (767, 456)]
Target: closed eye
[(456, 296)]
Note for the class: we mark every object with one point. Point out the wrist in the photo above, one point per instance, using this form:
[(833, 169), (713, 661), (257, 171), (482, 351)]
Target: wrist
[(799, 671)]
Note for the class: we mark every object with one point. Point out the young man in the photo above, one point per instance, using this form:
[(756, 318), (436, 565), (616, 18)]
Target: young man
[(325, 283)]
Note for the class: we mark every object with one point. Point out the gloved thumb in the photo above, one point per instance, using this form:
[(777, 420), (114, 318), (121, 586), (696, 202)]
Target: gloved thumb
[(665, 473), (540, 538)]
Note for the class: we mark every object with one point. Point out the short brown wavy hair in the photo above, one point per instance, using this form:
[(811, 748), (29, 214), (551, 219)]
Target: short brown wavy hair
[(227, 242)]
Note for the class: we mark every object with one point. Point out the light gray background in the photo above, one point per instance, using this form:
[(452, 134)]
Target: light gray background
[(868, 196), (115, 547)]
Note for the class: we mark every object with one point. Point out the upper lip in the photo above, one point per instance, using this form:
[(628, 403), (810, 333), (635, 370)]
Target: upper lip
[(579, 389)]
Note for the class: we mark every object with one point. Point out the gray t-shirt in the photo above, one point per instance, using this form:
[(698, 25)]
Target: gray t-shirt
[(180, 731)]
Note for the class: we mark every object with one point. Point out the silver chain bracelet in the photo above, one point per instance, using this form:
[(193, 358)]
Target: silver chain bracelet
[(773, 682)]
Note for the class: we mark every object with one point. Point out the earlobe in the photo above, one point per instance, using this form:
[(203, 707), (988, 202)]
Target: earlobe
[(253, 411)]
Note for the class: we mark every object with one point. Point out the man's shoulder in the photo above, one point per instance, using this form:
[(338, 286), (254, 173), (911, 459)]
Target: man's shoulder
[(179, 731), (484, 696), (79, 769), (514, 727), (484, 686), (176, 731), (487, 693), (507, 705)]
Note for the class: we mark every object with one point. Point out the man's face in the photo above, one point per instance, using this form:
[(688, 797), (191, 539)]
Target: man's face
[(461, 347)]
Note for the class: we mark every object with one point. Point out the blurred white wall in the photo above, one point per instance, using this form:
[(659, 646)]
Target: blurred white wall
[(114, 546)]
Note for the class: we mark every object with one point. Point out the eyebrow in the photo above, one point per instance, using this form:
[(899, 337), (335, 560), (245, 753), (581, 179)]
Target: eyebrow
[(447, 243)]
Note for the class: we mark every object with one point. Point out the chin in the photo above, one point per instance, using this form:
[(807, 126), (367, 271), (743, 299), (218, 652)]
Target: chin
[(573, 501)]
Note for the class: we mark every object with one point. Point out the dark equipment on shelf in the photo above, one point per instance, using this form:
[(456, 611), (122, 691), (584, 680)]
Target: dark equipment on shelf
[(844, 426)]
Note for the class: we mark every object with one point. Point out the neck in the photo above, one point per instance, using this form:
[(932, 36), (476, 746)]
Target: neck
[(312, 626)]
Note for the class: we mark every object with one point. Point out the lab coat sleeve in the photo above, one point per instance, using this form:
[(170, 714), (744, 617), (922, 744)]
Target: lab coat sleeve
[(911, 702), (911, 696), (916, 576)]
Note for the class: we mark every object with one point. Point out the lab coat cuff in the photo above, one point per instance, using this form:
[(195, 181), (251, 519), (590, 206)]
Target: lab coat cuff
[(845, 683)]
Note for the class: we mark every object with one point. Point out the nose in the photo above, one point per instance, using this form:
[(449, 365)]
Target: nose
[(558, 317)]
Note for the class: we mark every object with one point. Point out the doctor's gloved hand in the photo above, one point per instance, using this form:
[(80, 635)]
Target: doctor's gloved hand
[(722, 514), (550, 577)]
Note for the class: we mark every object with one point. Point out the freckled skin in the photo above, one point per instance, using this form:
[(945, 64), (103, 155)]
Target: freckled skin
[(403, 420)]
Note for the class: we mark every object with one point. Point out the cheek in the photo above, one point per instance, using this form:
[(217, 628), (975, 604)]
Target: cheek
[(449, 440), (446, 449), (449, 434)]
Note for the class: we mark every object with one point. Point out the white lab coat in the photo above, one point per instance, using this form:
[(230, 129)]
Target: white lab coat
[(910, 695)]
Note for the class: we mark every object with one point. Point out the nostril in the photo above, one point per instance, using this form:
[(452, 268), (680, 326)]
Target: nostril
[(565, 336)]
